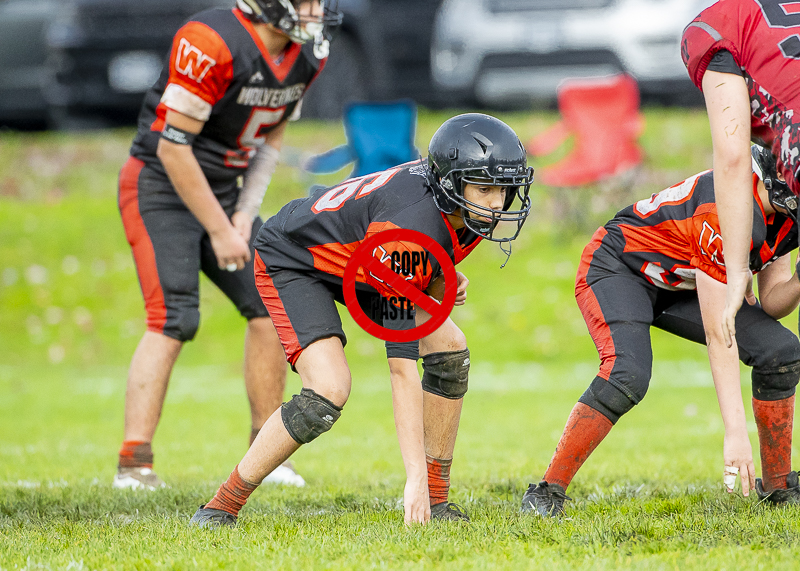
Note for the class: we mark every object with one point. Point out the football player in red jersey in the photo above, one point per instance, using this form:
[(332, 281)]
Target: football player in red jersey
[(217, 113), (476, 170), (744, 55), (660, 263)]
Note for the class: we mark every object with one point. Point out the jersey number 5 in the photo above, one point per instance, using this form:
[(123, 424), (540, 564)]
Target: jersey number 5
[(253, 135)]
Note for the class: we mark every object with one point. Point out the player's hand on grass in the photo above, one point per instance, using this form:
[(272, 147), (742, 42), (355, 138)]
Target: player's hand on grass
[(740, 287), (738, 456), (243, 224), (416, 501), (230, 248)]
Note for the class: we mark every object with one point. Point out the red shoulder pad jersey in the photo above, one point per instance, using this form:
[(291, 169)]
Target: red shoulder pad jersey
[(762, 36), (319, 234), (672, 233), (220, 72)]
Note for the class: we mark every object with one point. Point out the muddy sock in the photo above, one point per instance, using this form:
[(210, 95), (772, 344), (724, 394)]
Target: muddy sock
[(438, 479), (135, 454), (774, 420), (233, 494), (585, 429)]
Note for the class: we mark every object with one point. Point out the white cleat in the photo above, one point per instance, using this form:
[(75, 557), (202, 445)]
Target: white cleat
[(137, 479), (285, 475)]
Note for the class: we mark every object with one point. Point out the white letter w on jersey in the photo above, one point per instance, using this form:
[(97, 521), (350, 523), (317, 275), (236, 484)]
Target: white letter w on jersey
[(191, 62), (713, 244)]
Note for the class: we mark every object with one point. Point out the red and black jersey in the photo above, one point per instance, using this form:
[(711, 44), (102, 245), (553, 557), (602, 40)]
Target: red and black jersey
[(220, 72), (762, 36), (320, 233), (672, 233)]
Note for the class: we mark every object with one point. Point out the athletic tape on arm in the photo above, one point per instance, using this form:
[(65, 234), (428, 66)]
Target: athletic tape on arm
[(256, 180)]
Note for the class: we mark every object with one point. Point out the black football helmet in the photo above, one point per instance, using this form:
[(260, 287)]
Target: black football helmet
[(479, 149), (766, 168), (283, 15)]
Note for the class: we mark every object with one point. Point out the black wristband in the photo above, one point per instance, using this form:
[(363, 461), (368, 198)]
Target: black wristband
[(177, 136)]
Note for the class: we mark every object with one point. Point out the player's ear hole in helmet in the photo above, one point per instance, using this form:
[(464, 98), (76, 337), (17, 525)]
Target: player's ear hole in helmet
[(478, 149), (288, 17), (766, 168)]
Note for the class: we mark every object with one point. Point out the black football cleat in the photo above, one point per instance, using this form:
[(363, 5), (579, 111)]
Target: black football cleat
[(448, 511), (211, 518), (545, 499), (791, 495)]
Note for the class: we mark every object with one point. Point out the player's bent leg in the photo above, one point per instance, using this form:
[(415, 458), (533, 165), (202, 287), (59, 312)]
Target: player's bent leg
[(265, 381), (618, 312), (445, 361), (326, 386), (148, 378)]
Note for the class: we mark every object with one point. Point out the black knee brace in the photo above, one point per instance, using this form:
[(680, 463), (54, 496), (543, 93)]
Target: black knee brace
[(308, 415), (446, 374), (775, 383), (607, 399)]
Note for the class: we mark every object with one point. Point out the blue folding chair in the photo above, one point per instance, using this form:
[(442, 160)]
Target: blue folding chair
[(380, 135)]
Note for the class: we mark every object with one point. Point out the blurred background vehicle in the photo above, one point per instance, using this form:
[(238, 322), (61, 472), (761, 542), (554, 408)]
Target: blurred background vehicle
[(22, 61), (511, 53), (88, 63), (104, 55)]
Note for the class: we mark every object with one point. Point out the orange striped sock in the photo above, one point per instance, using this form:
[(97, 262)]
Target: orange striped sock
[(585, 429), (233, 494), (135, 454), (774, 420), (438, 479)]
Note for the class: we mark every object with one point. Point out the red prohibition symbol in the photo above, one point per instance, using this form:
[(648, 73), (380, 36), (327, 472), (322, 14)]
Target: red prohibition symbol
[(364, 257)]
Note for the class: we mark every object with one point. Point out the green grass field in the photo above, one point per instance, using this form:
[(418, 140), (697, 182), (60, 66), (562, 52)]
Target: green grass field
[(71, 314)]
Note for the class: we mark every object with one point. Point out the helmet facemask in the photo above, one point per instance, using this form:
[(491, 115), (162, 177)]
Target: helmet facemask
[(300, 28), (780, 196), (500, 225)]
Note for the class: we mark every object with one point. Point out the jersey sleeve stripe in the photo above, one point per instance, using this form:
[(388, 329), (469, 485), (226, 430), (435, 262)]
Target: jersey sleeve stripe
[(180, 99)]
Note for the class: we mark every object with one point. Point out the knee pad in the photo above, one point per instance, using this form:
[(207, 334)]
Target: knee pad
[(606, 398), (446, 374), (308, 415), (775, 383)]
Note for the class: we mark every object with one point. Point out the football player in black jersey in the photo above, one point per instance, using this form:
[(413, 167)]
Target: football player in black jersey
[(218, 112), (474, 186)]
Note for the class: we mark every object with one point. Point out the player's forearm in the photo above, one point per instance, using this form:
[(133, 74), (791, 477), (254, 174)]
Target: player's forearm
[(724, 360), (257, 179), (782, 299), (191, 185), (727, 383), (779, 288), (408, 419)]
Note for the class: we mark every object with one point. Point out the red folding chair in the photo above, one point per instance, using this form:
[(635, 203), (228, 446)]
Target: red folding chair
[(603, 116)]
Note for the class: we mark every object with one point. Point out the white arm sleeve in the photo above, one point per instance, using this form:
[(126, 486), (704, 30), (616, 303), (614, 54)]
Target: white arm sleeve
[(256, 179)]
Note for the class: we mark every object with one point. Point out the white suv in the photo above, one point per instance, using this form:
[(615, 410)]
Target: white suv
[(507, 53)]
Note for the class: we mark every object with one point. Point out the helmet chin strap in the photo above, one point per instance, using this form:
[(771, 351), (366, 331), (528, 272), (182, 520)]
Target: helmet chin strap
[(506, 252)]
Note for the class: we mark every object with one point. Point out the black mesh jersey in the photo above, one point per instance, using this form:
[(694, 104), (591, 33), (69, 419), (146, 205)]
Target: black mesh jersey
[(219, 71), (320, 233)]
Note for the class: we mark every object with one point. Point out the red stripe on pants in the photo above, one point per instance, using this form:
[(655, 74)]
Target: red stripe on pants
[(277, 312), (143, 253), (591, 311)]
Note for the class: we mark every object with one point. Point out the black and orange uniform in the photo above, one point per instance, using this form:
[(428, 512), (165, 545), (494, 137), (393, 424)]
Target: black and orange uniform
[(638, 271), (302, 252), (759, 40), (218, 71)]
